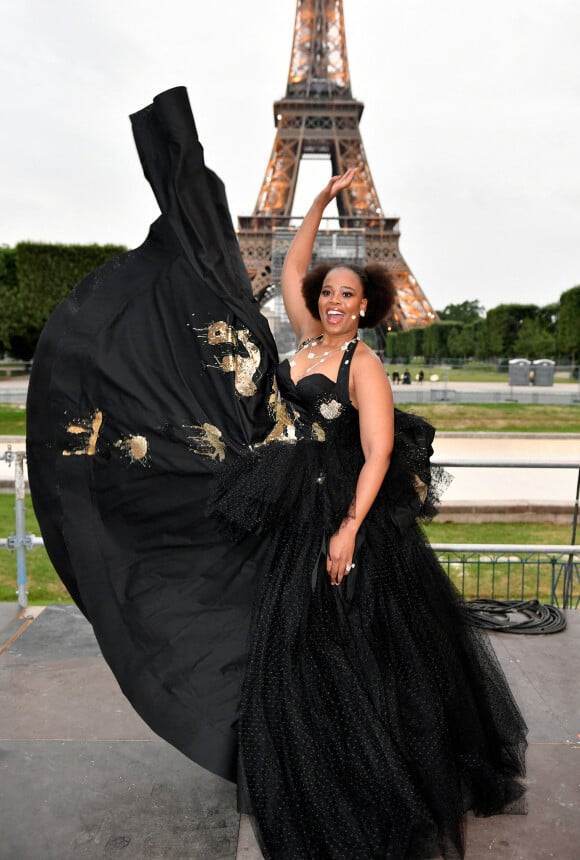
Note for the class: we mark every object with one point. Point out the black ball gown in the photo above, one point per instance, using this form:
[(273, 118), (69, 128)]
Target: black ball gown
[(188, 513)]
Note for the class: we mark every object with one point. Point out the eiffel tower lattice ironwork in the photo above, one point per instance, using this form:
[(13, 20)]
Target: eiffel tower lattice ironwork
[(319, 117)]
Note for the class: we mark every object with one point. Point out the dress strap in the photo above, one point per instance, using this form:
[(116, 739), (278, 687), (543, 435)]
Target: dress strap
[(343, 377)]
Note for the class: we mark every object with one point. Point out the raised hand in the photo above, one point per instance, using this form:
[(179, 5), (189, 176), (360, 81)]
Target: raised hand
[(338, 183), (298, 258)]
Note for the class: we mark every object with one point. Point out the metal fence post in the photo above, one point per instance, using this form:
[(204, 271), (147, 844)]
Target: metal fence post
[(568, 589), (20, 537), (20, 540)]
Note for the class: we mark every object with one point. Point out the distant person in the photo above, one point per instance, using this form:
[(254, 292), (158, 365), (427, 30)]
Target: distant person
[(396, 377), (406, 378), (420, 376)]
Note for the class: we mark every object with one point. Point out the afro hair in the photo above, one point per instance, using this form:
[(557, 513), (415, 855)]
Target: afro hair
[(377, 284)]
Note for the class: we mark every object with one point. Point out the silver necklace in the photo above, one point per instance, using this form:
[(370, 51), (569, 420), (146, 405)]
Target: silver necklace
[(313, 344)]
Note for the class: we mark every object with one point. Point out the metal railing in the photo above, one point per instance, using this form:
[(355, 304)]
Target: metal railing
[(514, 571), (20, 540), (524, 570), (478, 570)]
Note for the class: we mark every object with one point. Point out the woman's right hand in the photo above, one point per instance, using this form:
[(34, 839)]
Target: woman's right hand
[(336, 184)]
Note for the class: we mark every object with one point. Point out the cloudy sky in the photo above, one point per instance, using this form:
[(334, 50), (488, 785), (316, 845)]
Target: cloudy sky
[(471, 124)]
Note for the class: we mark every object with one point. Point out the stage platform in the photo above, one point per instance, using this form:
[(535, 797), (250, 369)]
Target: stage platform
[(81, 776)]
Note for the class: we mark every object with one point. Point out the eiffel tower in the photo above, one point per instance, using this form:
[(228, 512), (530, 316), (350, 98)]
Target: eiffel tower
[(319, 117)]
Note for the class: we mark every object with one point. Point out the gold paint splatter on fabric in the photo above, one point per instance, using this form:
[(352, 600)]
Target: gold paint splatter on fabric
[(228, 364), (220, 332), (242, 357), (284, 429), (272, 403), (420, 487), (207, 441), (134, 447), (318, 432), (246, 366), (90, 427)]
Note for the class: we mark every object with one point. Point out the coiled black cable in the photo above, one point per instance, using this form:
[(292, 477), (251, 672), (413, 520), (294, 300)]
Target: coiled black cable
[(505, 616)]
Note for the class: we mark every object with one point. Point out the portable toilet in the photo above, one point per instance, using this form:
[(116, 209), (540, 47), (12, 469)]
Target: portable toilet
[(544, 371), (519, 371)]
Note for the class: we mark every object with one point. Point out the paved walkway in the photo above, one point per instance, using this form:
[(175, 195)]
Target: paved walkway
[(509, 485), (81, 776), (13, 390)]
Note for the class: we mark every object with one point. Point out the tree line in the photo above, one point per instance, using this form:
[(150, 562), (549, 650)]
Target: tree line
[(35, 277), (466, 331)]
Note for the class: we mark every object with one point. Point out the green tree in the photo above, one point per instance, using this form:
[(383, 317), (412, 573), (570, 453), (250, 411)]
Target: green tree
[(548, 315), (569, 323), (501, 328), (471, 340), (455, 343), (435, 339), (45, 274), (466, 312), (400, 345), (492, 341), (8, 296), (533, 340)]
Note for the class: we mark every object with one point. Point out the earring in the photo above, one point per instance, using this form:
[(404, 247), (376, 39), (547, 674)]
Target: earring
[(362, 312)]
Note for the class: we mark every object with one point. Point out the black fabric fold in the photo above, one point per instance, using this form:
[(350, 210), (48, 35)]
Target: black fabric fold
[(134, 396), (193, 199)]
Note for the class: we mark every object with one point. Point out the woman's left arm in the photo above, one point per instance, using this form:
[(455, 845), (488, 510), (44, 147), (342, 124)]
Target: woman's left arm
[(374, 399)]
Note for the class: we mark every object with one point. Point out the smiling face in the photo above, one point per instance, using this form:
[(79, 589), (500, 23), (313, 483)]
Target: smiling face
[(341, 298)]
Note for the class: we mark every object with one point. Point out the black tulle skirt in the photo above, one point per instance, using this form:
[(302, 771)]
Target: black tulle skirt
[(373, 715)]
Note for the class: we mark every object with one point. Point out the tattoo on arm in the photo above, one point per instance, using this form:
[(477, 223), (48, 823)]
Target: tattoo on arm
[(350, 514)]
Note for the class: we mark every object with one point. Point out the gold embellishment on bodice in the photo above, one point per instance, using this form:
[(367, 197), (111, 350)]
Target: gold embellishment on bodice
[(330, 409)]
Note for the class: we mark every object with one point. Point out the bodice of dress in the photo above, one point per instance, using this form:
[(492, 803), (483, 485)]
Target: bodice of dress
[(317, 407), (306, 468)]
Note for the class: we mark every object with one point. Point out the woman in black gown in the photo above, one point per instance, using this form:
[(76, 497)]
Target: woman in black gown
[(251, 574)]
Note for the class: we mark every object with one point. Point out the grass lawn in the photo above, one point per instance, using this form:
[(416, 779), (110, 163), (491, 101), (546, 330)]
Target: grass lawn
[(498, 533), (45, 587), (12, 419), (499, 417)]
